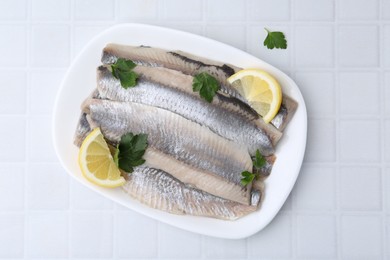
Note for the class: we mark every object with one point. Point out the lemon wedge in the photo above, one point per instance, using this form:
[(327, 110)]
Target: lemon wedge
[(260, 89), (96, 162)]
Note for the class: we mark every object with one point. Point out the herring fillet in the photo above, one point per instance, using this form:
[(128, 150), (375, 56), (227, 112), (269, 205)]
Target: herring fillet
[(222, 116), (176, 60), (83, 128), (285, 114), (192, 64), (186, 144), (160, 190)]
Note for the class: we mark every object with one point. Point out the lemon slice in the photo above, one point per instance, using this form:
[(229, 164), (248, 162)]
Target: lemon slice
[(96, 162), (260, 89)]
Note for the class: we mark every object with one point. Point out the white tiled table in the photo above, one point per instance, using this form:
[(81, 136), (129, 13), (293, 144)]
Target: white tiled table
[(338, 53)]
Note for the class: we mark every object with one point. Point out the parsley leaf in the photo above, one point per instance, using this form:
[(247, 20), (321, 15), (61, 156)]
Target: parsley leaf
[(122, 70), (258, 161), (247, 177), (130, 151), (275, 40), (206, 85)]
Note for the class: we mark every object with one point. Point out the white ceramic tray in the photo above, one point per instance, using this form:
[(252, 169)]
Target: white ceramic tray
[(80, 80)]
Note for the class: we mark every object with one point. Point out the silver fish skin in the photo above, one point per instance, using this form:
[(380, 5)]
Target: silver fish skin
[(191, 64), (176, 60), (155, 87), (83, 128), (160, 190), (285, 114), (189, 151)]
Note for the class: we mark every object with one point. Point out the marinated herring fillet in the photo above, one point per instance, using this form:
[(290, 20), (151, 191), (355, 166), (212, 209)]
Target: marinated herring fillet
[(223, 116), (191, 64), (176, 60), (83, 128), (207, 161), (160, 190)]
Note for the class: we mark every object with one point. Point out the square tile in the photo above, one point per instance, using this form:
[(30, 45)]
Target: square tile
[(177, 243), (314, 46), (387, 140), (354, 148), (361, 237), (11, 235), (91, 235), (82, 34), (385, 8), (363, 102), (12, 136), (269, 10), (13, 52), (141, 229), (358, 9), (218, 248), (386, 190), (274, 241), (87, 199), (224, 34), (387, 236), (315, 188), (316, 236), (11, 187), (355, 50), (182, 10), (44, 81), (214, 11), (191, 28), (50, 45), (50, 10), (94, 10), (137, 9), (278, 57), (308, 10), (13, 10), (47, 235), (47, 187), (318, 91), (387, 92), (14, 85), (41, 149), (321, 141), (287, 206), (364, 192), (385, 49)]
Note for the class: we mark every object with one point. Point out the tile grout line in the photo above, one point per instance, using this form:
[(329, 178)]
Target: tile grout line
[(196, 21), (337, 178), (28, 28), (292, 213), (380, 28), (71, 182)]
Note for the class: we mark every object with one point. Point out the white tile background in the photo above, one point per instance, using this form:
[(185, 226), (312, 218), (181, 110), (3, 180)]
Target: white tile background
[(338, 53)]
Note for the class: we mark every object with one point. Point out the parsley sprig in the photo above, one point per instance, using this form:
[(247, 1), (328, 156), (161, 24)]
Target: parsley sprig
[(130, 151), (206, 85), (122, 69), (258, 162), (275, 40)]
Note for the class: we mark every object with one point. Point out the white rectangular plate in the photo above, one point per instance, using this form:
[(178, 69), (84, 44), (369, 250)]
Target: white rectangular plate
[(80, 80)]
